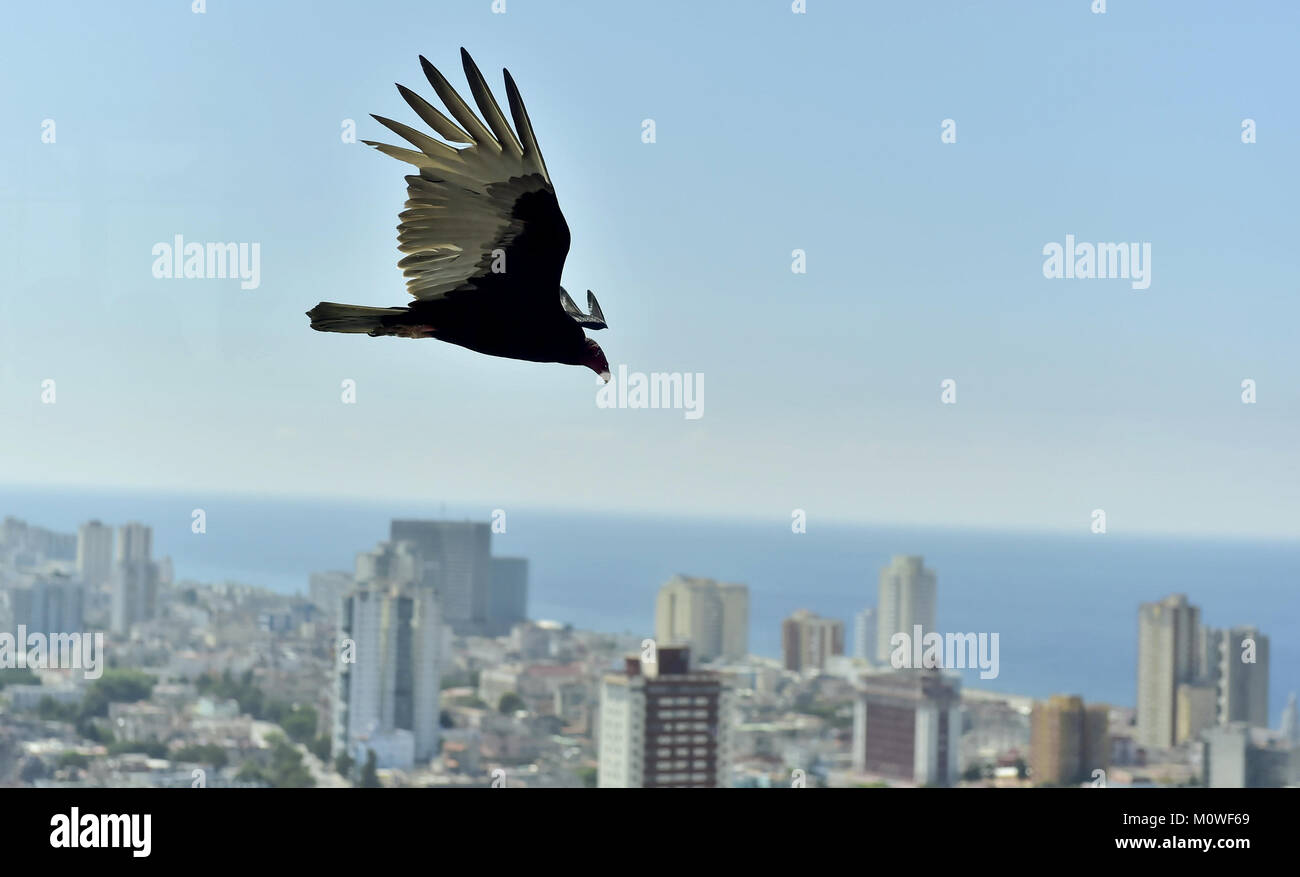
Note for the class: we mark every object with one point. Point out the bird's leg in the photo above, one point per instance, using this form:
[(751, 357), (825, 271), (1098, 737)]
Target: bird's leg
[(416, 331)]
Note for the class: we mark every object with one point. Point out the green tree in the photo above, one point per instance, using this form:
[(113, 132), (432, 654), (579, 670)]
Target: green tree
[(299, 722), (18, 676), (286, 770), (369, 773), (124, 686), (321, 746), (51, 710), (208, 753), (151, 748), (90, 729), (509, 703), (74, 759)]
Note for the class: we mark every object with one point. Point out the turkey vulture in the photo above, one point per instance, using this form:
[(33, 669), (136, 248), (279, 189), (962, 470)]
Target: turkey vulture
[(483, 235)]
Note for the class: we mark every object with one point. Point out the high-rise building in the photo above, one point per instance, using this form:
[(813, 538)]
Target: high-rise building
[(735, 620), (663, 724), (864, 634), (807, 640), (461, 552), (1197, 709), (30, 545), (395, 563), (1224, 755), (95, 553), (134, 579), (1290, 728), (710, 617), (908, 596), (1236, 756), (56, 605), (386, 697), (1243, 677), (1169, 654), (508, 595), (907, 726), (327, 589), (134, 542), (1068, 741)]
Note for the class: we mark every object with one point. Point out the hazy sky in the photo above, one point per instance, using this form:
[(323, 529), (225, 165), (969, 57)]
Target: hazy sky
[(775, 131)]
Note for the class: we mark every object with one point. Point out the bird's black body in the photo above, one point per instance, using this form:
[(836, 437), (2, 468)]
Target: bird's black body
[(485, 238), (516, 312)]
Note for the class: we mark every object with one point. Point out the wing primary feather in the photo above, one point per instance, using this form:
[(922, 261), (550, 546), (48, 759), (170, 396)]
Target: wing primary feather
[(422, 141), (487, 105), (435, 120), (524, 125), (410, 156), (481, 135)]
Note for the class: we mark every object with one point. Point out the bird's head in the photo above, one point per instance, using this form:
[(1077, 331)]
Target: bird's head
[(594, 358)]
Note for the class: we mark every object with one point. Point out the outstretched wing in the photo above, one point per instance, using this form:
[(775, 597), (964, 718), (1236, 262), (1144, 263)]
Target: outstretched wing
[(482, 219), (594, 320)]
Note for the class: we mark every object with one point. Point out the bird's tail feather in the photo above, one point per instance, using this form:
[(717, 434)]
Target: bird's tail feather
[(330, 316)]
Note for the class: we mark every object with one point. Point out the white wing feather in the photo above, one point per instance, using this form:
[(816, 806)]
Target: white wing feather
[(459, 207)]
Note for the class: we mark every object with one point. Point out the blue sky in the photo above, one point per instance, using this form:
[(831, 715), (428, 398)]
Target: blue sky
[(775, 131)]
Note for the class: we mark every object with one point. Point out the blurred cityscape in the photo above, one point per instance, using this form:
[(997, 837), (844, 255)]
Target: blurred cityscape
[(421, 668)]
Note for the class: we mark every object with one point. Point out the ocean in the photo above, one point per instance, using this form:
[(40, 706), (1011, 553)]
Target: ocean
[(1064, 606)]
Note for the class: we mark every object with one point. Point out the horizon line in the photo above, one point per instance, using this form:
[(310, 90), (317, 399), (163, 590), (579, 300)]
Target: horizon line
[(840, 522)]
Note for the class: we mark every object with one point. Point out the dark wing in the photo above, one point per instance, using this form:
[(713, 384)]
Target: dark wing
[(594, 320), (483, 219)]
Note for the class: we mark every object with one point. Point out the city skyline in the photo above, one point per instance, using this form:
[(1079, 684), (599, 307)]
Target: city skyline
[(1070, 395), (1206, 650), (392, 712)]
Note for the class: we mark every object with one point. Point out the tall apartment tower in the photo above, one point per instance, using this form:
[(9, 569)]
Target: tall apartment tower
[(461, 551), (1289, 730), (95, 553), (57, 604), (507, 595), (1170, 653), (807, 640), (134, 579), (134, 542), (710, 617), (1197, 708), (735, 620), (864, 635), (664, 725), (327, 590), (1068, 741), (908, 597), (386, 697), (907, 726), (394, 563), (1243, 677)]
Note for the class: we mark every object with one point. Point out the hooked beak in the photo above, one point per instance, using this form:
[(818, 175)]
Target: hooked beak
[(605, 376)]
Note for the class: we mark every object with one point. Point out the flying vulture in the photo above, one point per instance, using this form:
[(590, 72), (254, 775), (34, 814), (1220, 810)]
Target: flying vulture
[(483, 235)]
